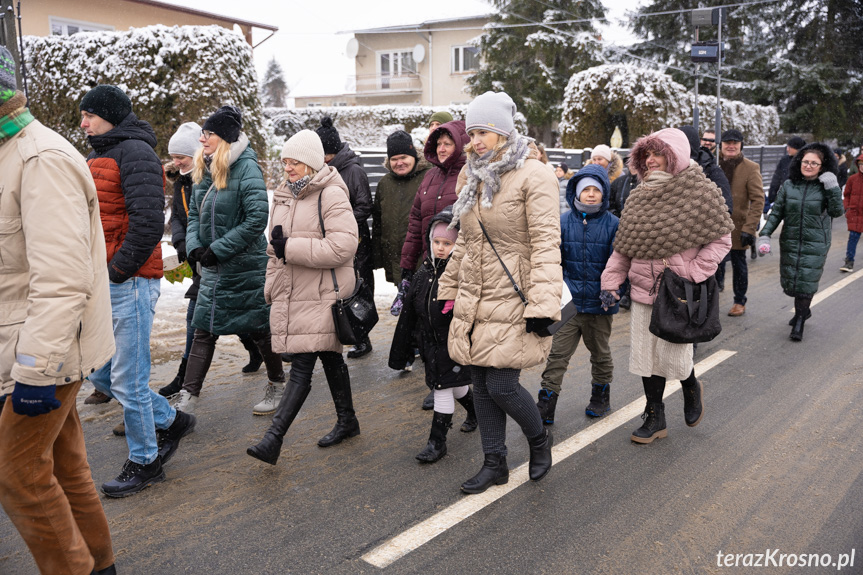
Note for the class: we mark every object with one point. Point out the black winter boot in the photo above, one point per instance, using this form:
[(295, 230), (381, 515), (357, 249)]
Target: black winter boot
[(292, 400), (600, 402), (654, 424), (540, 455), (110, 570), (169, 439), (436, 448), (466, 402), (797, 329), (176, 384), (347, 425), (255, 357), (493, 472), (806, 316), (546, 404), (693, 403)]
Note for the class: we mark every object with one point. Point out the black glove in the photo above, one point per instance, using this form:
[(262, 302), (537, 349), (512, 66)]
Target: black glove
[(407, 274), (181, 251), (209, 259), (195, 256), (538, 325), (115, 275), (746, 239), (278, 241)]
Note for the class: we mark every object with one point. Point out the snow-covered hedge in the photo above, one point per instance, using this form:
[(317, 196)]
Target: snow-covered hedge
[(649, 100), (172, 75), (365, 126)]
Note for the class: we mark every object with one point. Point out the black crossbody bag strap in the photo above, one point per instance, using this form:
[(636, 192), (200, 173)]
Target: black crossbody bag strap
[(509, 275), (324, 234)]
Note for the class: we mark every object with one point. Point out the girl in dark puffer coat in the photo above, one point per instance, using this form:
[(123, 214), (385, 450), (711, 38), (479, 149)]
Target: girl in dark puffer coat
[(447, 379)]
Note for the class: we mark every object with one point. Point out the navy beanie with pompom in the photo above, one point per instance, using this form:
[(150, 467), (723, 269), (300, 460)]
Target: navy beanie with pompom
[(329, 136)]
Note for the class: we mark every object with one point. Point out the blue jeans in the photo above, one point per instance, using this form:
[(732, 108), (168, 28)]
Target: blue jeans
[(851, 251), (126, 377)]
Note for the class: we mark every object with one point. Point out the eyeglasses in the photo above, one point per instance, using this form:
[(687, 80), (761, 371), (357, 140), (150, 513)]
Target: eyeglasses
[(206, 134), (294, 164), (811, 164), (708, 141)]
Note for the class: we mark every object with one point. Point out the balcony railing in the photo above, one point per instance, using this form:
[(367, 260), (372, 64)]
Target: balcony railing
[(384, 83)]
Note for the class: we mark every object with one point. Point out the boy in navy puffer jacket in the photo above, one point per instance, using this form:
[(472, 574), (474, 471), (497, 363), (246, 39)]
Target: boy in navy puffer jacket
[(587, 236)]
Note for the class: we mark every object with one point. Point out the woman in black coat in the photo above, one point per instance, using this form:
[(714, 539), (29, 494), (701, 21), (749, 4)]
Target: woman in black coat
[(446, 378)]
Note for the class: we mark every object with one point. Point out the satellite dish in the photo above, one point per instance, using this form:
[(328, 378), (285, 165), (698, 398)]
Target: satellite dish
[(352, 48), (419, 53)]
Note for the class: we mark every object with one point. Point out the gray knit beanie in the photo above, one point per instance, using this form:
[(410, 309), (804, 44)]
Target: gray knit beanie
[(492, 111), (305, 146), (8, 83), (185, 141)]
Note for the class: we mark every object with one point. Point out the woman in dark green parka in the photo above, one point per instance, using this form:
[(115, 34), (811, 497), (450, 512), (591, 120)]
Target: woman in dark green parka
[(806, 204), (225, 236)]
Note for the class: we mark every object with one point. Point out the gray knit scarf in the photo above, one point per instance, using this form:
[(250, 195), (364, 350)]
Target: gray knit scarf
[(297, 187), (487, 170)]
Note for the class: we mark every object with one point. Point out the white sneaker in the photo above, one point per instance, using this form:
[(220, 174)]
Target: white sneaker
[(272, 396), (187, 403)]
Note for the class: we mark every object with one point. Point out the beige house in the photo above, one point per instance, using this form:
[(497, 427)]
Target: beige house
[(422, 64), (66, 17)]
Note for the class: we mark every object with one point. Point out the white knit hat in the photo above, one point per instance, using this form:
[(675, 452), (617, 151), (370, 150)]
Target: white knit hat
[(602, 151), (492, 111), (305, 146), (185, 141)]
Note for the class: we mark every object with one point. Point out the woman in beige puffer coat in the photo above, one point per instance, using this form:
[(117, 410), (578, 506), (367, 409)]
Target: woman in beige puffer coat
[(299, 286), (515, 196)]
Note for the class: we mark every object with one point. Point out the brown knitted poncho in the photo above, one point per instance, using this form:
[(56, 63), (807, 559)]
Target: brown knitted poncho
[(668, 214)]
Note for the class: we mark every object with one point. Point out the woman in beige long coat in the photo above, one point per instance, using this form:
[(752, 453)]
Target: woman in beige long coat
[(505, 188), (300, 288)]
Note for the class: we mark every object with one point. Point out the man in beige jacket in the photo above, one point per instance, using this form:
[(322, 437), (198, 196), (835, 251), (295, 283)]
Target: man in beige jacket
[(55, 329)]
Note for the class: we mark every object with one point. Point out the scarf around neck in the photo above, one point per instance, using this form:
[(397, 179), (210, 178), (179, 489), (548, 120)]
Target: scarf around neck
[(667, 214), (487, 170), (14, 116)]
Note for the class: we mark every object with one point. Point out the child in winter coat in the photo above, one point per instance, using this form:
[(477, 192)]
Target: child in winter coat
[(587, 234), (447, 379)]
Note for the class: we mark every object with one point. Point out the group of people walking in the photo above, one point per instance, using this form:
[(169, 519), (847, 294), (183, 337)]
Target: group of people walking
[(470, 229)]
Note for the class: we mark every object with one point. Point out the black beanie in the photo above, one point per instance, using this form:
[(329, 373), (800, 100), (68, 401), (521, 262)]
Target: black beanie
[(226, 122), (796, 142), (108, 102), (400, 142), (329, 136)]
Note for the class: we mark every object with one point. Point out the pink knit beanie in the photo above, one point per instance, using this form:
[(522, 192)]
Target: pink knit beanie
[(440, 231)]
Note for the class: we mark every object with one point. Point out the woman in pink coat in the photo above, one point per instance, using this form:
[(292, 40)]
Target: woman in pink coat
[(677, 218)]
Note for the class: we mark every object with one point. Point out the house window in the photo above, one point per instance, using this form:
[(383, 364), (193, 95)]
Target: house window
[(395, 63), (64, 27), (465, 59), (313, 105)]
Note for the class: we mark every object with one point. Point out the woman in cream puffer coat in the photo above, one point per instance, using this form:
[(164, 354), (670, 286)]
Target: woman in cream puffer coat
[(300, 289), (515, 196)]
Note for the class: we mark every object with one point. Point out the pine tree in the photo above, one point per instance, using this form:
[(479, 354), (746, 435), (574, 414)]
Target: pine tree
[(534, 63), (274, 90)]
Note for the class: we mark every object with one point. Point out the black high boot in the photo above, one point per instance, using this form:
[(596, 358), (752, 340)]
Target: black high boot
[(546, 404), (540, 455), (494, 471), (292, 400), (600, 401), (347, 425), (436, 448), (797, 330), (176, 384), (255, 357), (693, 404), (654, 411), (466, 402)]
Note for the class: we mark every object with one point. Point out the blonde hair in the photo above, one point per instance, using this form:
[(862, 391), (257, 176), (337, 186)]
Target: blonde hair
[(219, 166), (501, 142)]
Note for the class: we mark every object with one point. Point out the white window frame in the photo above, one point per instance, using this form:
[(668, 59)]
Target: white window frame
[(396, 70), (82, 26), (457, 58)]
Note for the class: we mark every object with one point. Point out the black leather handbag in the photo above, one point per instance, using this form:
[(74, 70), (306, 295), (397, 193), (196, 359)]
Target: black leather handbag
[(684, 311), (355, 315)]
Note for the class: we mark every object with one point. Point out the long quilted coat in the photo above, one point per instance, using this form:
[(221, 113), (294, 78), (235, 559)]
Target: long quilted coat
[(853, 201), (488, 326), (231, 222), (300, 287), (806, 209)]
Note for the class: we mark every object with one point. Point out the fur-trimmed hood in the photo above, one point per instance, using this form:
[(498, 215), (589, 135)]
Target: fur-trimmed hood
[(828, 165), (670, 142), (615, 166), (454, 130)]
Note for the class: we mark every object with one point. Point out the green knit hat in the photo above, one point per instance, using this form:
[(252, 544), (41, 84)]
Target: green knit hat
[(443, 117)]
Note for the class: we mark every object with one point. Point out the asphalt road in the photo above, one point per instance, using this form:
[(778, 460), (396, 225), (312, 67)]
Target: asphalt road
[(775, 465)]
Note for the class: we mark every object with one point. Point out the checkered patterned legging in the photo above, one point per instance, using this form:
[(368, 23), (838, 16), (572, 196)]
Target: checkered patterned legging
[(496, 394)]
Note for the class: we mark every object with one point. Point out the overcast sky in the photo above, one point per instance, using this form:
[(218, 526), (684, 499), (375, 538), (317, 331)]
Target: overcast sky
[(312, 52)]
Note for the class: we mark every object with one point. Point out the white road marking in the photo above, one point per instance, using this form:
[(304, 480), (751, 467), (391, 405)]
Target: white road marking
[(425, 531), (822, 295)]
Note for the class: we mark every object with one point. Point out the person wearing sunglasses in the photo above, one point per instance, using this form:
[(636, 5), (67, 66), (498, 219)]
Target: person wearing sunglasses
[(810, 190)]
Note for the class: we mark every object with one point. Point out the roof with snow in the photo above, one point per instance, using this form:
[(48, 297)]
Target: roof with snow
[(177, 8), (421, 27)]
